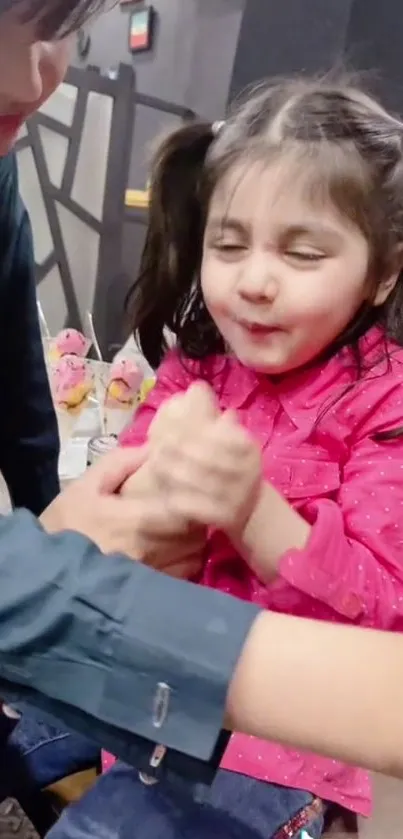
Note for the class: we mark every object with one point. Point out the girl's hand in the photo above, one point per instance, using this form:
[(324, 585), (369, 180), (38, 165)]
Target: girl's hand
[(164, 541), (204, 462)]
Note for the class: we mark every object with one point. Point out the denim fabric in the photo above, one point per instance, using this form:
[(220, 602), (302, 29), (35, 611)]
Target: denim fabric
[(120, 806), (9, 763), (50, 753)]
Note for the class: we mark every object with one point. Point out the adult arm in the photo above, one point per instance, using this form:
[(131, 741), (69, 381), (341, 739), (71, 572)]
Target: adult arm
[(90, 639), (29, 442), (99, 673), (350, 690)]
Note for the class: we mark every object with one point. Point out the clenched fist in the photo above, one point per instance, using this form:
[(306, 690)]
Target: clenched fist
[(203, 462)]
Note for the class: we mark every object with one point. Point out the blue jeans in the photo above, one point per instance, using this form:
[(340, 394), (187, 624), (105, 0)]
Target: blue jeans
[(121, 806), (48, 752)]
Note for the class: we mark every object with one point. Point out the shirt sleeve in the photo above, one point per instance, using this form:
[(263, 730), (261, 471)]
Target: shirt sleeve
[(354, 558), (172, 377), (29, 442), (111, 647)]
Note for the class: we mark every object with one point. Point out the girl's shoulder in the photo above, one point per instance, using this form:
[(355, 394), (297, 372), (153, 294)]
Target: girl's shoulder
[(375, 402)]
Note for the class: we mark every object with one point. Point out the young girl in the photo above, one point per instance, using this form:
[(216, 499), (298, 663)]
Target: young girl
[(274, 255)]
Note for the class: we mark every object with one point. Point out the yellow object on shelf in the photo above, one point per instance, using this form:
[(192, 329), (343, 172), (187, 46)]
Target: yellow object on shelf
[(137, 198)]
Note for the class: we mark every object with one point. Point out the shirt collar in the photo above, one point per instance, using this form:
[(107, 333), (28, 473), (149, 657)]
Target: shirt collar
[(303, 394)]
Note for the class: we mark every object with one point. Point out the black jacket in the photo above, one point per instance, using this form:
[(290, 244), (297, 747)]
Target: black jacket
[(29, 442)]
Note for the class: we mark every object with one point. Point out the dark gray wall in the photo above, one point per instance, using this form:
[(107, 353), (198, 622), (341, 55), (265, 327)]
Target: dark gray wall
[(316, 35), (191, 63), (289, 36), (375, 43)]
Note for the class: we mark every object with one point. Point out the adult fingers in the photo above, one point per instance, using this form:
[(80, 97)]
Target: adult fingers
[(113, 469), (185, 570), (147, 517)]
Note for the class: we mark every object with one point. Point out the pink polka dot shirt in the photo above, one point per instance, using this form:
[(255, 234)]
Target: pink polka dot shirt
[(318, 431)]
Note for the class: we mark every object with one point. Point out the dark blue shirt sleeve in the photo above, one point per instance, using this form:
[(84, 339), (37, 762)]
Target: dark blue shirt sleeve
[(29, 442), (91, 639)]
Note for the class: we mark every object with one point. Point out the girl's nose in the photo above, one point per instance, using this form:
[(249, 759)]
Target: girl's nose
[(257, 282), (258, 287)]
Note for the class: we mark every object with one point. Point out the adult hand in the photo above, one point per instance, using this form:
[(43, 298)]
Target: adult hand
[(91, 506), (167, 542)]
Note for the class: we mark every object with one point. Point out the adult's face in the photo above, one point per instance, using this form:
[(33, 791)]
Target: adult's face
[(32, 64)]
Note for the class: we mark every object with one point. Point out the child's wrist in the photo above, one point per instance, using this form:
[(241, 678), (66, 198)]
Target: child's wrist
[(238, 532), (273, 529)]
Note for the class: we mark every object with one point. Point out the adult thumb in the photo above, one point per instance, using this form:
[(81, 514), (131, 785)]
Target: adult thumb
[(113, 469)]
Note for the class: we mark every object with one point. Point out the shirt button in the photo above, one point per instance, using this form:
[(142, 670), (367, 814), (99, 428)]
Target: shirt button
[(155, 761), (351, 606), (161, 704)]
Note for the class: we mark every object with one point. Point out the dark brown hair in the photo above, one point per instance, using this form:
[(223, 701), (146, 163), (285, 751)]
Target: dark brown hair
[(348, 149), (55, 19)]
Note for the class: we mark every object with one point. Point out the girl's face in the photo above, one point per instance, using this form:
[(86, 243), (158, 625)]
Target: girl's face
[(30, 70), (281, 278)]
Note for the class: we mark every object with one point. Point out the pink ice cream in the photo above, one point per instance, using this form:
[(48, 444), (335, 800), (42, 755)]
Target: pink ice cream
[(124, 381), (68, 342), (72, 383)]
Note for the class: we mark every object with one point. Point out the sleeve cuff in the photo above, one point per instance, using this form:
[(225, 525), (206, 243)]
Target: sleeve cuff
[(317, 570), (175, 768), (176, 656)]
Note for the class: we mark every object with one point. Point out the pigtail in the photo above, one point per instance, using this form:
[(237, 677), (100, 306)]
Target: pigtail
[(165, 288)]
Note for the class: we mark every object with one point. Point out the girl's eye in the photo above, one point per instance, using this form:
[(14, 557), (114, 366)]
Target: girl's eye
[(305, 256), (229, 247)]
